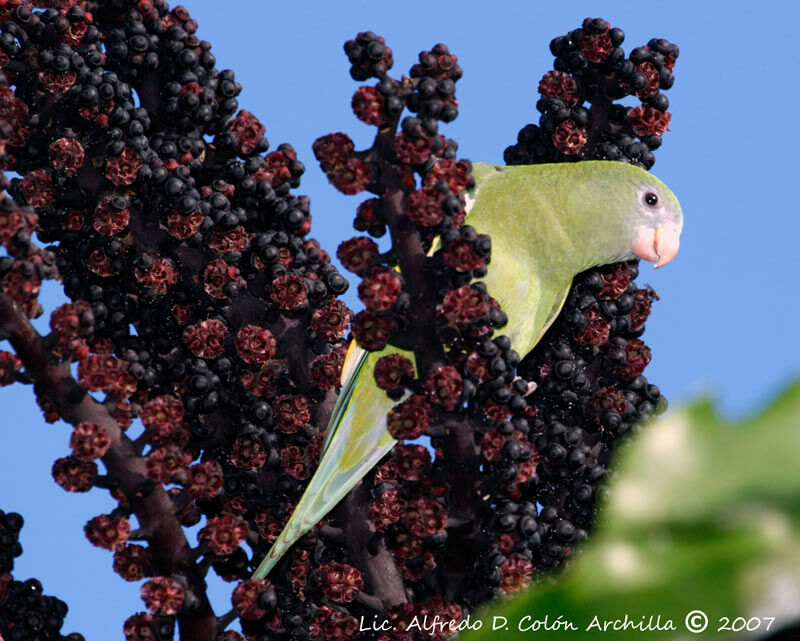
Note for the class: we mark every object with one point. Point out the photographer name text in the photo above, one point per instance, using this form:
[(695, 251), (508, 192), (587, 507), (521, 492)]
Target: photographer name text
[(695, 621)]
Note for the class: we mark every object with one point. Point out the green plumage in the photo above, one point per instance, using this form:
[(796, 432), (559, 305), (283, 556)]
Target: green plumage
[(547, 223)]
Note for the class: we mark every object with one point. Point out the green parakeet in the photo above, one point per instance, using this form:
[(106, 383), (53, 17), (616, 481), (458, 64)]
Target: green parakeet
[(547, 223)]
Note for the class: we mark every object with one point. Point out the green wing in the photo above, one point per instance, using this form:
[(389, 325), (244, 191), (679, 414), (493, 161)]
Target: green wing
[(357, 439), (547, 223), (354, 363)]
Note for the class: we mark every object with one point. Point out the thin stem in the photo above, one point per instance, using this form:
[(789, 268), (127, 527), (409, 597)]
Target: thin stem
[(125, 467)]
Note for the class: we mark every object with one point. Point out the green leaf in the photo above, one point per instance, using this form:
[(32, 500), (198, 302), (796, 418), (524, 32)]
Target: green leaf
[(703, 514)]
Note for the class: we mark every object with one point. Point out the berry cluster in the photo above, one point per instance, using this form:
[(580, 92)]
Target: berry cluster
[(201, 307), (591, 67), (543, 428), (25, 613), (590, 391), (200, 304)]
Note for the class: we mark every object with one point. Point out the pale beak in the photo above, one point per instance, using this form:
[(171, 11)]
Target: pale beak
[(659, 245), (667, 243)]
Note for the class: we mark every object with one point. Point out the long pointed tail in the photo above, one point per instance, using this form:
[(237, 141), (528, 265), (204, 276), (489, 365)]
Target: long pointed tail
[(356, 440)]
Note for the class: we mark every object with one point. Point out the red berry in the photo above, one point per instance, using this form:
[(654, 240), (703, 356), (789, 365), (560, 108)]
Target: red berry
[(425, 207), (477, 366), (138, 627), (651, 73), (558, 84), (369, 106), (122, 412), (648, 121), (132, 562), (248, 452), (443, 386), (235, 239), (411, 418), (206, 338), (290, 412), (182, 227), (386, 509), (289, 291), (268, 528), (637, 357), (89, 441), (66, 155), (464, 305), (278, 166), (596, 46), (100, 264), (461, 256), (109, 220), (99, 113), (456, 173), (371, 331), (340, 582), (412, 151), (248, 131), (294, 462), (57, 83), (255, 344), (326, 370), (517, 573), (223, 534), (616, 278), (74, 475), (392, 371), (260, 383), (123, 169), (332, 150), (380, 290), (103, 372), (48, 407), (597, 329), (331, 624), (163, 414), (12, 109), (643, 301), (424, 516), (71, 321), (181, 313), (569, 138), (368, 215), (204, 480), (217, 274), (330, 322), (245, 598), (37, 186), (409, 462), (160, 277), (14, 221), (163, 596), (164, 463), (606, 399), (357, 254), (108, 531), (351, 176)]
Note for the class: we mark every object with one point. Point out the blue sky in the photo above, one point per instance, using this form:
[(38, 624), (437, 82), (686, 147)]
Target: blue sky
[(726, 322)]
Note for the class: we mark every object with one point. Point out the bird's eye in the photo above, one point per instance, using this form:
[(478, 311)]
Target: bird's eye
[(651, 199)]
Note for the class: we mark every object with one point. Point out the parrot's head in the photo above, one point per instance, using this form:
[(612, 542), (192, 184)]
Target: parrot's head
[(657, 221)]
